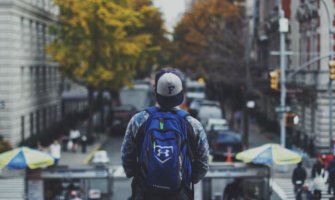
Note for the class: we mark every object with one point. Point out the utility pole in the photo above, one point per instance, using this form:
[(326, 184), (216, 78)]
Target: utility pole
[(283, 28)]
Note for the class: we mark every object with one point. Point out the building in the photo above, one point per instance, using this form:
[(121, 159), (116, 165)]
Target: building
[(29, 81), (308, 39)]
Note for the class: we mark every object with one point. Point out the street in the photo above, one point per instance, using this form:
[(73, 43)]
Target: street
[(257, 76)]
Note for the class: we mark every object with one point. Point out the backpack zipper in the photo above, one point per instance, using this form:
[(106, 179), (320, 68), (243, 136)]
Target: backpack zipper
[(161, 123)]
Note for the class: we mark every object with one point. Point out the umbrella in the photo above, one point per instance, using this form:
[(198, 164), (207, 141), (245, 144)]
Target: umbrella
[(24, 157), (269, 154)]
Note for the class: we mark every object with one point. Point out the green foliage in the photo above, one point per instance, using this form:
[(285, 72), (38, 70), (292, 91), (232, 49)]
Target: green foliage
[(102, 43), (5, 146)]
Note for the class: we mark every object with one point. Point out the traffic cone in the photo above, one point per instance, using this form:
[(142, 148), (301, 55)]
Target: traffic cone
[(229, 158)]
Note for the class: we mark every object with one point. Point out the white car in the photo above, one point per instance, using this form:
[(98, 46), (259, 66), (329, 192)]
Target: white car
[(100, 157), (208, 111), (216, 124), (195, 90)]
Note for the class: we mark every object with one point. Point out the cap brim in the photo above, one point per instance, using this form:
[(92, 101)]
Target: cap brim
[(170, 102)]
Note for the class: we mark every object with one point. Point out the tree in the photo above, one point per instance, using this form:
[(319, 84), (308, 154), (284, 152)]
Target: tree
[(4, 145), (210, 39), (100, 43)]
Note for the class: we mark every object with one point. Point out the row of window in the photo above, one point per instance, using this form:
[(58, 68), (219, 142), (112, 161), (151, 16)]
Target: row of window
[(46, 5), (39, 79), (34, 38), (39, 120)]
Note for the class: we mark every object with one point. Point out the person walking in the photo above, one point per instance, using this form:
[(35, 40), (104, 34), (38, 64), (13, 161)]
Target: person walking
[(318, 172), (55, 151), (83, 140), (331, 177), (298, 177), (165, 150), (304, 193)]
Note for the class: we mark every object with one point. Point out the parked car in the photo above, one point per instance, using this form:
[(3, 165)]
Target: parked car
[(194, 90), (225, 142), (132, 99), (209, 110), (139, 95), (100, 157), (121, 117), (216, 124)]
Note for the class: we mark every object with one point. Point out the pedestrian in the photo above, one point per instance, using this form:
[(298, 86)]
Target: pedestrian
[(55, 151), (331, 177), (165, 150), (298, 177), (318, 172), (83, 140), (233, 190), (304, 193)]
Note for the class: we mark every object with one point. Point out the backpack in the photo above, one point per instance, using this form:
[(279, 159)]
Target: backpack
[(165, 156)]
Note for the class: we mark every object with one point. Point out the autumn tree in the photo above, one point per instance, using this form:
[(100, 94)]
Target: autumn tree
[(210, 40), (102, 43)]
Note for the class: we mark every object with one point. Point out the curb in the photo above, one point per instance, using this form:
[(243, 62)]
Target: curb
[(90, 155)]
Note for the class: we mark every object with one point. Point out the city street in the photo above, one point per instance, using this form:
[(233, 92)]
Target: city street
[(257, 75)]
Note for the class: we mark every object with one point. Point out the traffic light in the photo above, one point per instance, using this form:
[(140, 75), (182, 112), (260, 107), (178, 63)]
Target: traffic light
[(331, 65), (274, 79), (291, 119)]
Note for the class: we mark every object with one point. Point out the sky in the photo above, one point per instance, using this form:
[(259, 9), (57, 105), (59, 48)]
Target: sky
[(172, 10)]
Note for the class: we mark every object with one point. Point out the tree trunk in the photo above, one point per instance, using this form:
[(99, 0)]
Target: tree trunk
[(90, 112)]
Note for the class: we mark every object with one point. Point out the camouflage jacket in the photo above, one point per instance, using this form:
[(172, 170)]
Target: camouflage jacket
[(129, 154)]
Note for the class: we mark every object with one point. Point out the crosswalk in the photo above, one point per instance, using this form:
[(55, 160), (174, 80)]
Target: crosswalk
[(284, 189), (12, 188)]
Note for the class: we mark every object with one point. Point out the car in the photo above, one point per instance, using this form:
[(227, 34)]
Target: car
[(194, 90), (216, 124), (121, 116), (224, 144), (207, 111), (100, 157), (138, 95)]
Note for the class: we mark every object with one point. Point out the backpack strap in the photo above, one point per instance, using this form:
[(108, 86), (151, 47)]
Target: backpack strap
[(182, 113), (151, 110)]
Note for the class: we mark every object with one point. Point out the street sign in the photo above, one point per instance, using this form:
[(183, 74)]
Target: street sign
[(282, 109), (2, 104)]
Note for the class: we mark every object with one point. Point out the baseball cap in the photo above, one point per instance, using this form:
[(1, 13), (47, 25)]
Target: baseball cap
[(169, 88)]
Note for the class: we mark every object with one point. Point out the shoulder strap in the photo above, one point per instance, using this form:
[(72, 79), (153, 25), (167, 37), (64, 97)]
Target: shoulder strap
[(151, 110), (182, 113)]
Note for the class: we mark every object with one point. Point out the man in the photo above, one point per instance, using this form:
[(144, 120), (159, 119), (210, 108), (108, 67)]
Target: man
[(331, 177), (169, 94), (233, 190), (304, 193), (55, 151), (298, 177)]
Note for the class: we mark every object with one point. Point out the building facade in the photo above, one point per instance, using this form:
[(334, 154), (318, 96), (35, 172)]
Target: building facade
[(29, 81), (307, 94)]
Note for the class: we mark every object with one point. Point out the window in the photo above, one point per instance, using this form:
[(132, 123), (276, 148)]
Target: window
[(38, 127), (44, 116), (22, 128), (31, 124)]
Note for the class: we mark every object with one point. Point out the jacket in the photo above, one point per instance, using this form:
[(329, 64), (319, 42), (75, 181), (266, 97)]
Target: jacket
[(129, 153), (299, 176)]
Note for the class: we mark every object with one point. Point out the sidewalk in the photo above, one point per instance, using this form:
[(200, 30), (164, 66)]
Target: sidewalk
[(78, 158)]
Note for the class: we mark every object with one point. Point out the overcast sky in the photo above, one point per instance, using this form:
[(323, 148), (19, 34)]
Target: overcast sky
[(172, 10)]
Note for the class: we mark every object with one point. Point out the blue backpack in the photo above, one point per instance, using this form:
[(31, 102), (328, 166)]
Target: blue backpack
[(165, 155)]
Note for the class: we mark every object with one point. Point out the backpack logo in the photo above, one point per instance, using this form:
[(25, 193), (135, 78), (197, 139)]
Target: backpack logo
[(163, 153)]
